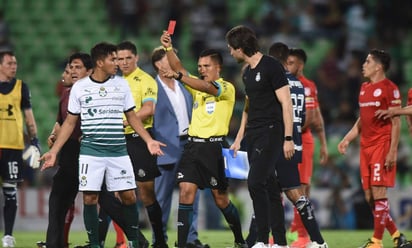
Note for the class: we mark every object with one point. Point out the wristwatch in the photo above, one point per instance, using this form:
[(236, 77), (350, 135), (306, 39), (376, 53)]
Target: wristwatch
[(288, 138)]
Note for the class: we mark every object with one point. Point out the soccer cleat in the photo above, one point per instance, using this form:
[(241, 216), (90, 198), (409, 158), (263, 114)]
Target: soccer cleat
[(402, 242), (370, 244), (315, 244), (8, 241), (260, 245), (301, 242)]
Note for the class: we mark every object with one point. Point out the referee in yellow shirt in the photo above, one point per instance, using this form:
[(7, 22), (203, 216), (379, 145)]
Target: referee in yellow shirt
[(202, 163)]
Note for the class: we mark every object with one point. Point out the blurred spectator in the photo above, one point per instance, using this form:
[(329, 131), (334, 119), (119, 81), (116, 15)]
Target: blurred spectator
[(330, 80), (342, 215), (402, 165), (200, 19), (5, 44)]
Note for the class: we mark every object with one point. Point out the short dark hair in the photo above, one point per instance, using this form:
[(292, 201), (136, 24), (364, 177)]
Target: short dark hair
[(157, 54), (4, 53), (280, 51), (101, 51), (84, 57), (382, 57), (299, 53), (244, 38), (214, 54), (127, 45)]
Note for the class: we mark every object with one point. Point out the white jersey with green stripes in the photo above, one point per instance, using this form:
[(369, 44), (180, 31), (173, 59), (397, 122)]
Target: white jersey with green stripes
[(100, 106)]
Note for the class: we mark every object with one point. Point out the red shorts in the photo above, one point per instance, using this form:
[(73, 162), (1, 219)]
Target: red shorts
[(306, 167), (372, 171)]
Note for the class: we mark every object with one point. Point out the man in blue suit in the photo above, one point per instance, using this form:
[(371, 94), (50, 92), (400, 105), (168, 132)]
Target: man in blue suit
[(171, 122)]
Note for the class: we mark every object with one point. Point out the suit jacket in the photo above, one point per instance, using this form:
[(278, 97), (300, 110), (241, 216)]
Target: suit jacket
[(165, 127)]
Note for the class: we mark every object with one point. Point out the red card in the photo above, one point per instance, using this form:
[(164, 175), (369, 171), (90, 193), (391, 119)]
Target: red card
[(171, 28)]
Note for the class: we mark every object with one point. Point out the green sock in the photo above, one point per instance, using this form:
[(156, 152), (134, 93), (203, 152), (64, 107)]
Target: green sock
[(131, 217), (91, 222)]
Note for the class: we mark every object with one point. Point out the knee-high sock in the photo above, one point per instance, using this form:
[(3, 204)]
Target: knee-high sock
[(67, 223), (184, 221), (104, 223), (390, 224), (232, 217), (380, 215), (131, 217), (297, 224), (91, 222), (307, 215), (10, 209), (155, 215)]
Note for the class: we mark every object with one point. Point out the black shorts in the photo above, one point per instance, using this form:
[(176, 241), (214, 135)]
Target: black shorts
[(11, 165), (144, 163), (202, 164)]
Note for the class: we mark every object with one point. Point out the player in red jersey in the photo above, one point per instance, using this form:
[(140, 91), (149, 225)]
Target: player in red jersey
[(379, 140), (314, 121)]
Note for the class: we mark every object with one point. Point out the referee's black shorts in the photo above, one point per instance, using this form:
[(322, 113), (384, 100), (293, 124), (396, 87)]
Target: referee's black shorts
[(202, 164), (144, 163)]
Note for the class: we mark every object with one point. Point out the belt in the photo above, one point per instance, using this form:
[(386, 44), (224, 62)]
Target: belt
[(131, 135), (206, 140), (183, 137), (135, 135)]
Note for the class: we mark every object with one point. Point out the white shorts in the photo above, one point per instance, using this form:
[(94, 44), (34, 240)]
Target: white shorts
[(117, 172)]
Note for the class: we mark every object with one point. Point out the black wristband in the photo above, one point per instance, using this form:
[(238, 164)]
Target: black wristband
[(288, 138), (179, 76)]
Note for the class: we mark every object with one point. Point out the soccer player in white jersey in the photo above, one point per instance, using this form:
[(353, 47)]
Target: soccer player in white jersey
[(100, 101)]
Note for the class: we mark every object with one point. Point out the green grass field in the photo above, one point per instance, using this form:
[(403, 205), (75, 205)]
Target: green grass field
[(216, 239)]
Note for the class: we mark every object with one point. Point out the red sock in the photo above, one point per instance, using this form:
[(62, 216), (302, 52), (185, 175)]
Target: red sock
[(67, 223), (119, 234), (390, 224), (380, 215)]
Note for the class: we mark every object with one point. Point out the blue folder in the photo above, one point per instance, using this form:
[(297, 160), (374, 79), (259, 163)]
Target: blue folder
[(238, 167)]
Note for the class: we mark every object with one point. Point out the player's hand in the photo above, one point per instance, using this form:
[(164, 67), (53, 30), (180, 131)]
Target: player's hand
[(154, 147), (166, 39), (235, 147), (323, 155), (288, 149), (390, 160), (35, 142), (51, 139), (383, 114), (166, 73), (49, 159), (342, 146)]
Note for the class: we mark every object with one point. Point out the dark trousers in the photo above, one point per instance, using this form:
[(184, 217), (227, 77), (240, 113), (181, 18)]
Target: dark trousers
[(63, 192)]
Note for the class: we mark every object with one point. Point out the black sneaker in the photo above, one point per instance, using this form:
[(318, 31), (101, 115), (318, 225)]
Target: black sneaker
[(41, 244), (402, 242), (197, 244), (160, 245)]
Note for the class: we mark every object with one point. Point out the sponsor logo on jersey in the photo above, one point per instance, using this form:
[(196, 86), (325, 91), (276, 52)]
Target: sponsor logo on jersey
[(257, 78), (370, 104), (377, 92), (102, 92)]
